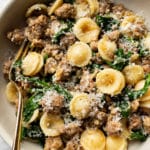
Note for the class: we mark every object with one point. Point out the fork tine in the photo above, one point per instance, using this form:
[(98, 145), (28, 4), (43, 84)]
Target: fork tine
[(21, 49)]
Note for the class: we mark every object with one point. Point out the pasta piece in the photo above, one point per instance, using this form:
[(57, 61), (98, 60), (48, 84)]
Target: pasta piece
[(79, 54), (147, 41), (106, 48), (116, 143), (32, 119), (139, 86), (82, 9), (129, 25), (86, 30), (11, 93), (94, 6), (145, 104), (40, 65), (93, 139), (110, 81), (80, 106), (35, 8), (56, 4), (32, 63), (133, 73), (51, 124), (125, 131)]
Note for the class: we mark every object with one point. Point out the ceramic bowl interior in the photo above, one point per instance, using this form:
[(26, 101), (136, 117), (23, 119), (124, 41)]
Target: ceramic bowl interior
[(13, 16)]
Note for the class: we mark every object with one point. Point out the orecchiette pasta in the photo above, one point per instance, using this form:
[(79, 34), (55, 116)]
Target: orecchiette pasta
[(56, 4), (32, 64), (116, 143), (80, 106), (106, 48), (51, 124), (110, 81), (11, 92), (93, 139), (133, 73), (86, 30), (139, 86), (145, 104), (146, 41), (79, 54)]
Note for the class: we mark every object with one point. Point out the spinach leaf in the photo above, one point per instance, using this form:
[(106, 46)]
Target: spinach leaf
[(144, 52), (68, 28), (17, 64), (106, 22), (132, 94), (34, 132), (121, 59), (124, 108), (31, 105), (138, 135)]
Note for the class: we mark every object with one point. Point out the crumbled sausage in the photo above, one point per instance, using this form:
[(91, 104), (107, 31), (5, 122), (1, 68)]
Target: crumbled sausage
[(53, 143), (94, 45), (71, 129), (146, 64), (36, 27), (50, 66), (52, 102), (63, 71), (67, 40), (146, 124), (105, 7), (6, 68), (86, 83), (114, 35), (135, 105), (119, 10), (65, 11), (135, 122), (113, 126), (17, 36)]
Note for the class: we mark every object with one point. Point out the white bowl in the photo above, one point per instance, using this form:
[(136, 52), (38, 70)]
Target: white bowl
[(11, 16)]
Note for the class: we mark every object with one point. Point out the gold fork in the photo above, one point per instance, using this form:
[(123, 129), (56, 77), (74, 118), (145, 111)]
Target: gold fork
[(22, 52)]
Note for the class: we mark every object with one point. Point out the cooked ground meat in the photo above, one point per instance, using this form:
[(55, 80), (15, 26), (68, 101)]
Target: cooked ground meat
[(17, 36), (146, 64), (113, 35), (119, 10), (36, 27), (65, 11), (105, 7), (86, 83), (50, 66), (135, 122), (6, 68), (135, 105), (146, 124), (113, 127), (63, 71), (73, 144), (53, 27), (53, 50), (53, 143), (71, 129), (67, 40), (52, 102)]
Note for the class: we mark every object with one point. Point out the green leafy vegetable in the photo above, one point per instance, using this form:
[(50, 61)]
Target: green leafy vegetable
[(138, 135), (121, 59), (34, 132), (132, 94), (17, 64), (68, 28), (106, 22), (124, 108), (31, 105), (144, 52)]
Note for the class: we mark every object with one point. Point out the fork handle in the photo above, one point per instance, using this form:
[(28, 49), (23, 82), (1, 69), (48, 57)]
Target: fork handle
[(16, 142)]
